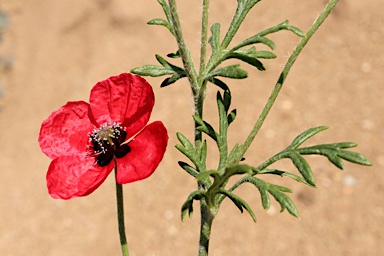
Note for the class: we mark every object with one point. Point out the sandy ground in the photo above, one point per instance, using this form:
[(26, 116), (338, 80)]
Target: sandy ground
[(60, 49)]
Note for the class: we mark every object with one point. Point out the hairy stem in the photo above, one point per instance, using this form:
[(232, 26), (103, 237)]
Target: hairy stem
[(183, 49), (206, 216), (120, 216), (204, 37), (205, 229), (300, 46), (241, 11)]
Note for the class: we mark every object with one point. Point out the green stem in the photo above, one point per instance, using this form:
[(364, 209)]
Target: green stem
[(183, 49), (320, 19), (120, 216), (205, 229), (241, 11), (206, 216), (204, 38)]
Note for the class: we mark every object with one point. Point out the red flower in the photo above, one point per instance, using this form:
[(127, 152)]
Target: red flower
[(85, 141)]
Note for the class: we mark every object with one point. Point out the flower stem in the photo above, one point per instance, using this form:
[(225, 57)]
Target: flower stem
[(120, 216), (300, 46)]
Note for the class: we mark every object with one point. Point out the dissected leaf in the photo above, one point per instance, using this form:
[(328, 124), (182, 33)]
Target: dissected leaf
[(205, 127), (300, 139), (232, 71), (152, 70), (251, 61), (166, 69), (170, 80), (223, 121), (335, 153), (187, 206), (206, 174), (227, 100), (286, 174), (303, 167), (161, 22), (354, 157), (233, 155), (239, 202), (167, 23), (214, 40), (257, 39), (231, 116), (247, 4), (189, 169), (174, 55), (201, 149), (219, 83), (277, 192), (260, 37), (265, 55), (251, 56)]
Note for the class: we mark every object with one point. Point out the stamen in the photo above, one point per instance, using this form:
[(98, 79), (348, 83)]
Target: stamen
[(107, 142)]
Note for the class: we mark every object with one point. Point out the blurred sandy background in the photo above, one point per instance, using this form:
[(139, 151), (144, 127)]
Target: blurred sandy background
[(60, 49)]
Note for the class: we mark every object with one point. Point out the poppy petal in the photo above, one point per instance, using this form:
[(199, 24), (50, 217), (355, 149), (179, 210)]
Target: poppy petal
[(65, 131), (75, 175), (147, 150), (127, 99)]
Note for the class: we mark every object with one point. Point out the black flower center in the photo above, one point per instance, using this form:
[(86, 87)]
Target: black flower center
[(107, 142)]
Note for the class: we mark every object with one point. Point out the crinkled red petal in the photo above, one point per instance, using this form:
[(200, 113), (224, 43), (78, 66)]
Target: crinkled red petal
[(127, 99), (75, 175), (147, 150), (65, 131)]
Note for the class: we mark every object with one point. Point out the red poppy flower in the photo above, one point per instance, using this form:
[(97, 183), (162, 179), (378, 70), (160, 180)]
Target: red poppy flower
[(86, 141)]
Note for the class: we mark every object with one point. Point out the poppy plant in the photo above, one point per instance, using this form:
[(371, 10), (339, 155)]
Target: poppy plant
[(86, 141)]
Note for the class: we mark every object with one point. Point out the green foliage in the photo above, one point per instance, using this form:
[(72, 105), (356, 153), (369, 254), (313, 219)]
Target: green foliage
[(213, 183), (166, 69), (220, 53), (215, 190), (232, 71), (277, 192), (166, 23)]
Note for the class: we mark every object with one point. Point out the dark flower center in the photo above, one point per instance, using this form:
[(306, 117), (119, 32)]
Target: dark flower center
[(107, 142)]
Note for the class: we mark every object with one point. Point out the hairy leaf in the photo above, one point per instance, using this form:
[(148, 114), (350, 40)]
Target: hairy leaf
[(300, 139), (285, 174), (214, 40), (260, 37), (231, 116), (354, 157), (174, 55), (187, 206), (161, 22), (167, 13), (189, 169), (277, 192), (219, 83), (171, 80), (233, 154), (335, 153), (166, 69), (152, 70), (206, 174), (303, 167), (251, 56), (205, 127), (232, 71), (227, 100), (239, 202)]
